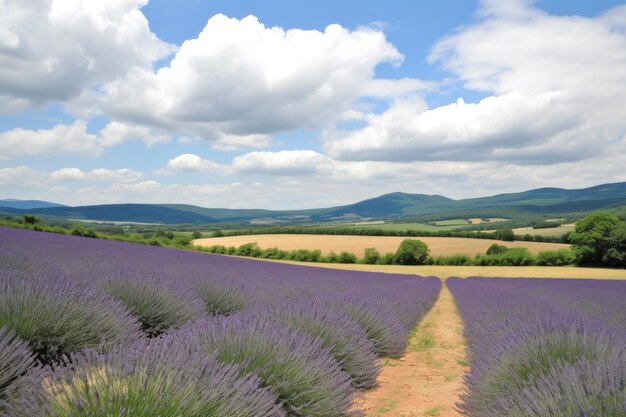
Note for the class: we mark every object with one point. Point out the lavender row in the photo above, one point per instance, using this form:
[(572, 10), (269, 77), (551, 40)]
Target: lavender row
[(543, 347), (291, 340)]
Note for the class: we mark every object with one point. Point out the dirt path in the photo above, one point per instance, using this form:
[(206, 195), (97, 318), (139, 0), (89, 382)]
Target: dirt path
[(428, 379)]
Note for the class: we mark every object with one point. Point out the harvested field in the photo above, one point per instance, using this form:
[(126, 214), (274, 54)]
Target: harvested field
[(551, 231), (357, 244), (444, 271), (420, 227), (478, 220)]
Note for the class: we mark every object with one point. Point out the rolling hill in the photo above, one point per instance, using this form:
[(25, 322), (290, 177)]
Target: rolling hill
[(542, 201), (28, 204)]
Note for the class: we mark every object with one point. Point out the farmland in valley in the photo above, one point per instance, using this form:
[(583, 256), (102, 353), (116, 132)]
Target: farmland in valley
[(357, 244)]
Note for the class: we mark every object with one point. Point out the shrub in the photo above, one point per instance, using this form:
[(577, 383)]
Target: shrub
[(411, 252), (512, 257), (219, 249), (330, 258), (387, 259), (163, 378), (15, 360), (496, 249), (557, 257), (79, 231), (196, 235), (342, 335), (249, 249), (274, 253), (459, 259), (346, 258), (371, 256), (306, 379), (165, 234), (56, 316), (157, 305), (305, 255), (222, 297), (181, 241)]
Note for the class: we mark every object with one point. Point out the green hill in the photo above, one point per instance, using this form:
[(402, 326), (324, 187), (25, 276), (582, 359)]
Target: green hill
[(27, 204), (542, 201)]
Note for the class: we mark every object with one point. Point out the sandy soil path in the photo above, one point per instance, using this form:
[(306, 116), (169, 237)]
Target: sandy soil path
[(428, 379)]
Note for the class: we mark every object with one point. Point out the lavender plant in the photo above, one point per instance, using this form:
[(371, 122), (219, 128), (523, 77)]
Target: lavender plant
[(380, 324), (56, 316), (222, 296), (15, 360), (346, 341), (307, 380), (584, 388), (163, 378), (532, 354), (156, 304)]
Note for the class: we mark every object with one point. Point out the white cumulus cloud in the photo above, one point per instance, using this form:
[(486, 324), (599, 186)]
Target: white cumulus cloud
[(60, 139), (297, 162), (115, 133), (97, 174), (240, 81), (190, 163), (554, 86), (56, 49)]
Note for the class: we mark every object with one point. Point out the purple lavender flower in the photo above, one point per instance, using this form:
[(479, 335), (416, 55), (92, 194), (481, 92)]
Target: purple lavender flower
[(160, 378), (346, 341), (57, 316), (305, 377), (15, 360), (526, 336)]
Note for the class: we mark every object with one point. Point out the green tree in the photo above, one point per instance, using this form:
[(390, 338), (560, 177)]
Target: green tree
[(29, 219), (496, 249), (616, 252), (594, 236), (196, 235), (412, 252), (505, 234)]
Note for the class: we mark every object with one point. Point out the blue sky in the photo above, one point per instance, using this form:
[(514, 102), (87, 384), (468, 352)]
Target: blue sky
[(263, 104)]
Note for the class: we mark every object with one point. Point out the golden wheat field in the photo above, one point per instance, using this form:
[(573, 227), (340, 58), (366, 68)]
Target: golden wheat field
[(357, 244), (444, 271)]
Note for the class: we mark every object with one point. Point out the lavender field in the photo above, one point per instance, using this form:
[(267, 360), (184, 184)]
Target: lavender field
[(541, 347), (101, 328)]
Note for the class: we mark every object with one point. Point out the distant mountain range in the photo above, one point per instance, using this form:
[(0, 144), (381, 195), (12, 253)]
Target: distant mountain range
[(541, 201), (28, 204)]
